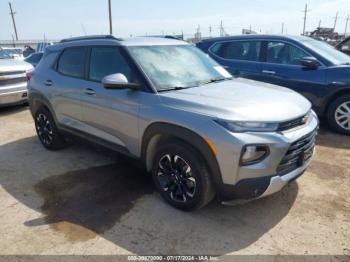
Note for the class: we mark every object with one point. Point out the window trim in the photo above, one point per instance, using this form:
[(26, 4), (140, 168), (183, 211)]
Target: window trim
[(265, 46), (142, 77), (59, 58), (263, 50), (237, 40)]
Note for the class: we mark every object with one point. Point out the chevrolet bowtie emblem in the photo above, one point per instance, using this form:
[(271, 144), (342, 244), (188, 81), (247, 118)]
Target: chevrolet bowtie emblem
[(306, 119)]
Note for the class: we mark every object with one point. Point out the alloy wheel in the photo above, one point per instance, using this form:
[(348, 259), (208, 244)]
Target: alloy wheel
[(44, 129), (176, 178), (342, 115)]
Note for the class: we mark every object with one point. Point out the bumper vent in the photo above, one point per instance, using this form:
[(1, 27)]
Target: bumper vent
[(298, 153)]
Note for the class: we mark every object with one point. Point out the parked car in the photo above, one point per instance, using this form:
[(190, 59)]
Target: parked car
[(14, 52), (13, 84), (310, 67), (344, 46), (34, 58), (163, 101)]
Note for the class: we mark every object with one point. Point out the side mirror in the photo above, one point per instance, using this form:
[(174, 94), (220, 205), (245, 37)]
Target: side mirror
[(118, 81), (310, 62)]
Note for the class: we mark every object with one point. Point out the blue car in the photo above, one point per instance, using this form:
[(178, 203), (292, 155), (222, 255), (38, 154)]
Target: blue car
[(313, 68)]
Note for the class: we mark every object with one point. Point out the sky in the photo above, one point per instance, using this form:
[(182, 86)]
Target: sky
[(56, 19)]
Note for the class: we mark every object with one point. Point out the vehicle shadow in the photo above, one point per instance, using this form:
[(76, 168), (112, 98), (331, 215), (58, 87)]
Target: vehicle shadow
[(5, 111), (117, 202), (328, 138)]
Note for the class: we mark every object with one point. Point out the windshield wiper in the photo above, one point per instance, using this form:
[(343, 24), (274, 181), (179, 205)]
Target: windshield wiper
[(173, 88), (214, 80)]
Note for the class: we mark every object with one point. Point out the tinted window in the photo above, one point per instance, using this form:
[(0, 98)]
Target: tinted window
[(72, 62), (240, 50), (106, 61), (283, 53)]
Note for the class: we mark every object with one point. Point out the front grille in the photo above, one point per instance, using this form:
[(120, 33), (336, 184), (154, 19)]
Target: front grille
[(292, 123), (12, 81), (294, 157)]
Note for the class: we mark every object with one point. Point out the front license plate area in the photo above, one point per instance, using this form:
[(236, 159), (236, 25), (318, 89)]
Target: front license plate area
[(306, 156)]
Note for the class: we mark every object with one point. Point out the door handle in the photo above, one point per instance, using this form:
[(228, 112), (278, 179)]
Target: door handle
[(48, 83), (269, 72), (90, 91)]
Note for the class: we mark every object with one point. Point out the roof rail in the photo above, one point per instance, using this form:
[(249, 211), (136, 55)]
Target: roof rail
[(91, 37)]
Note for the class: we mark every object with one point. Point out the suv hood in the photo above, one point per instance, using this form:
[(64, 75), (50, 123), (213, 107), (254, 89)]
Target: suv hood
[(241, 100), (11, 65)]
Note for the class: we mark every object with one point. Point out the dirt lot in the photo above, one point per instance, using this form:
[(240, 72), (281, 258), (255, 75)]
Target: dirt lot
[(86, 200)]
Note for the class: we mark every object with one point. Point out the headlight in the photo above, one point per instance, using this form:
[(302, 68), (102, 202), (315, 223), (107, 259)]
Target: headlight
[(252, 154), (248, 126)]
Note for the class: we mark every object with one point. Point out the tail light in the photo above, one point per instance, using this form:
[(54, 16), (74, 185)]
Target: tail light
[(29, 74)]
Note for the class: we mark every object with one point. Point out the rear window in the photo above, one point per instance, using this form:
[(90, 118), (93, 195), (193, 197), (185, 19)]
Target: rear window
[(238, 50), (72, 62)]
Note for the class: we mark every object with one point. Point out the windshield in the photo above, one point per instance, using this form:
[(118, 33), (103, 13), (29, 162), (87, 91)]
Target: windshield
[(177, 66), (4, 55), (328, 52)]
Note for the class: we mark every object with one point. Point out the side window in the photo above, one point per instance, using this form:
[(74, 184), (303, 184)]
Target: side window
[(106, 61), (72, 62), (283, 53), (239, 50)]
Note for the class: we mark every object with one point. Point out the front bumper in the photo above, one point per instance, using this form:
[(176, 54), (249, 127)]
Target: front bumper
[(15, 94), (262, 187), (266, 177)]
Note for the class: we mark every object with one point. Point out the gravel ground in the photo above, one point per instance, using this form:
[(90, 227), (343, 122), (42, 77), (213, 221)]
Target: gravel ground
[(87, 200)]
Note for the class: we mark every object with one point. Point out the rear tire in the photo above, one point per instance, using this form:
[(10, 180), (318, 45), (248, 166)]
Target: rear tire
[(338, 115), (47, 130), (181, 176)]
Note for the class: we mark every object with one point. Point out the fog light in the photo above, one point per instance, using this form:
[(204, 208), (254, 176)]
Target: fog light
[(253, 154)]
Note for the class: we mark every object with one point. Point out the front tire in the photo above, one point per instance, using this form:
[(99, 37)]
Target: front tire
[(338, 115), (47, 130), (181, 176)]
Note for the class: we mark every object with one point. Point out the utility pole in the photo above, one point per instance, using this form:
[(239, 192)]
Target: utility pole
[(319, 24), (210, 30), (221, 29), (346, 25), (110, 17), (84, 29), (305, 15), (335, 21), (282, 28), (13, 20)]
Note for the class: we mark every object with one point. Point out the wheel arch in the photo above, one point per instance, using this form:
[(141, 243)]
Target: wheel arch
[(335, 95), (160, 131), (38, 100)]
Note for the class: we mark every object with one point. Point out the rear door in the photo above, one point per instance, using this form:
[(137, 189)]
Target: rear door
[(67, 83), (240, 57), (282, 67)]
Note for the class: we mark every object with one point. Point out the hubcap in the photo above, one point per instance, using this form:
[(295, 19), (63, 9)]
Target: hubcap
[(175, 178), (44, 129), (342, 115)]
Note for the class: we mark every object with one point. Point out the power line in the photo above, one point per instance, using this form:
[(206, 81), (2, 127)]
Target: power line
[(305, 15), (13, 20), (110, 17)]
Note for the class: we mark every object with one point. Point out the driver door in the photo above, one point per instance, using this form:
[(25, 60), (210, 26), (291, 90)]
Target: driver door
[(110, 115)]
